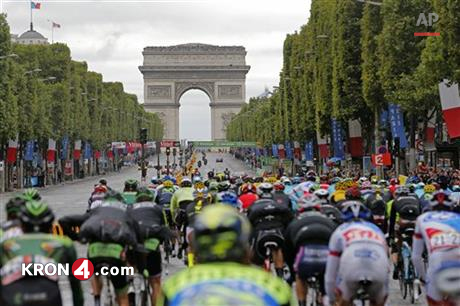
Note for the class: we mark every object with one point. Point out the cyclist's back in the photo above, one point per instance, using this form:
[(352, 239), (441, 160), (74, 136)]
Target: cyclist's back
[(36, 246)]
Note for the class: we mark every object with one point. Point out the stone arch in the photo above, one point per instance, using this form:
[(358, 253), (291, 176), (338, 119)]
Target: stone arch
[(218, 71)]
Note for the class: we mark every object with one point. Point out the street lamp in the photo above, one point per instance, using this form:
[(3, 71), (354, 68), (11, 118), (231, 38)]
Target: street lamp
[(370, 2), (51, 78), (36, 70), (12, 55)]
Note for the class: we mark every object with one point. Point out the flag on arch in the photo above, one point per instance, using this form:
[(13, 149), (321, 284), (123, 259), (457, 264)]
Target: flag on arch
[(35, 5), (450, 103)]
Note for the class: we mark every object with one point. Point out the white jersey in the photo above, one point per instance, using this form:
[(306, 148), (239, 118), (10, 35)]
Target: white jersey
[(439, 233), (439, 230), (356, 250), (355, 232)]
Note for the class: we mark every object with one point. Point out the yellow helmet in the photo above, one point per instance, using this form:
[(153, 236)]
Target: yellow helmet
[(168, 184), (429, 188), (271, 180)]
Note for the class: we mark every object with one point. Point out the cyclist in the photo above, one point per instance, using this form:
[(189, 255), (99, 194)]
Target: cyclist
[(437, 231), (279, 196), (152, 231), (130, 190), (264, 190), (12, 226), (307, 238), (404, 210), (165, 193), (111, 233), (269, 220), (248, 195), (31, 194), (222, 275), (98, 194), (38, 245), (357, 253)]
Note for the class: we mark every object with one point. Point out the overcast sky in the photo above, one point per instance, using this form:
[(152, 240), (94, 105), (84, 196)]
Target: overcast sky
[(110, 36)]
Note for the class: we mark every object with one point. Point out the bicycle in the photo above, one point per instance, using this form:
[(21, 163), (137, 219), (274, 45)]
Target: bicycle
[(407, 276), (139, 289), (362, 296), (107, 297), (314, 287)]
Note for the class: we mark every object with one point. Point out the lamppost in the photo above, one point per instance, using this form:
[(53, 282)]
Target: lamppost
[(12, 55)]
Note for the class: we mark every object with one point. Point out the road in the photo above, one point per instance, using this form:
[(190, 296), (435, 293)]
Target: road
[(71, 198)]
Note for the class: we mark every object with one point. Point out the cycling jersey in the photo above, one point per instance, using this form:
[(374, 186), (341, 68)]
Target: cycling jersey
[(357, 250), (224, 284), (16, 289), (248, 199), (129, 197), (184, 194), (403, 210), (149, 216), (10, 229), (164, 198)]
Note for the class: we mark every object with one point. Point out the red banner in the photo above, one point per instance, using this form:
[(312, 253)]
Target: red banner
[(323, 150), (51, 155), (76, 154), (355, 146), (11, 155), (381, 159)]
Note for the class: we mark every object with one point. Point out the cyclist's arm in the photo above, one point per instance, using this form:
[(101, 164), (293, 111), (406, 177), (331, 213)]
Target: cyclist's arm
[(174, 203), (67, 222), (332, 266), (417, 252), (392, 220)]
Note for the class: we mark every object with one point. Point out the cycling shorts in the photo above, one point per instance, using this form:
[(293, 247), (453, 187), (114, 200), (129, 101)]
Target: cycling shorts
[(119, 282), (152, 263), (31, 291), (311, 261), (363, 261)]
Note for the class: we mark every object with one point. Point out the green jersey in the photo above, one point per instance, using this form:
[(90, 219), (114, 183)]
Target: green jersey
[(225, 284), (37, 248), (183, 194), (130, 197)]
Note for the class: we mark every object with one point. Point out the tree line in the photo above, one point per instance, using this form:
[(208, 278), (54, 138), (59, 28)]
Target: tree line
[(45, 94), (349, 62)]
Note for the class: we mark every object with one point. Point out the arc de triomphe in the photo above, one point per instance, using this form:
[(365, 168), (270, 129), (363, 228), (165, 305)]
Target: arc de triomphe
[(169, 72)]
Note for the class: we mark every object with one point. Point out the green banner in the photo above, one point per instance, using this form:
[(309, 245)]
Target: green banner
[(222, 144)]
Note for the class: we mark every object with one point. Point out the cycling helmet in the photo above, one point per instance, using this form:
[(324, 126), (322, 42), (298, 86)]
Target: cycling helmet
[(355, 210), (103, 181), (311, 176), (186, 182), (213, 186), (114, 196), (271, 180), (429, 188), (196, 179), (353, 194), (394, 181), (265, 188), (31, 194), (366, 185), (168, 184), (308, 202), (220, 234), (155, 181), (383, 183), (296, 180), (278, 186), (332, 213), (229, 198), (401, 191), (441, 201), (36, 217), (363, 179), (13, 206), (248, 188), (455, 188), (223, 186), (287, 182), (144, 195), (131, 185), (99, 188), (321, 194)]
